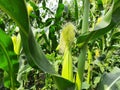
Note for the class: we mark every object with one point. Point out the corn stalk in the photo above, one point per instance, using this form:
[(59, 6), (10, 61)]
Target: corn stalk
[(82, 56)]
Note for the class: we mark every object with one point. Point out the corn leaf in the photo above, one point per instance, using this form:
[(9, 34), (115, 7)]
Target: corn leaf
[(63, 84), (59, 11), (16, 9), (111, 19), (76, 9), (8, 61), (110, 81)]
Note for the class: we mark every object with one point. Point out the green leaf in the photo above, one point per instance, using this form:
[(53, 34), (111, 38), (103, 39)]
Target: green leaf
[(59, 11), (110, 81), (85, 85), (63, 84), (44, 4), (2, 24), (12, 7), (8, 59), (36, 58), (101, 29), (105, 21), (53, 37), (48, 21), (17, 10), (76, 9)]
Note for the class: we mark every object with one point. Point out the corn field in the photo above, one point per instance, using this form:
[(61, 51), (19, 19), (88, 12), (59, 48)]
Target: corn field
[(59, 45)]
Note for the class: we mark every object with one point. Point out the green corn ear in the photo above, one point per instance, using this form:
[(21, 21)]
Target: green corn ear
[(67, 71), (66, 40), (17, 43)]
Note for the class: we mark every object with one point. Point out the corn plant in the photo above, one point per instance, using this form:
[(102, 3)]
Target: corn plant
[(17, 10)]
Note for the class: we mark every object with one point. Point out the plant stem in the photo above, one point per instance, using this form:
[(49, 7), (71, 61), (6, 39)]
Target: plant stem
[(10, 71), (82, 57), (81, 65), (85, 16), (76, 10), (89, 68)]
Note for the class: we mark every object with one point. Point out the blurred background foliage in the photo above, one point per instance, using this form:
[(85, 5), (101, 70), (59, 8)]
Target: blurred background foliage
[(47, 19)]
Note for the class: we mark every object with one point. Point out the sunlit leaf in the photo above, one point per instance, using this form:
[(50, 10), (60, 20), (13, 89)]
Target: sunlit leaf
[(59, 11), (64, 84), (17, 10), (8, 59), (36, 58), (101, 29), (110, 81)]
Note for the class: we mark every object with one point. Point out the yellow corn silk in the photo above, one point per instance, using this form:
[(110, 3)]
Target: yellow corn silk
[(29, 9), (66, 39)]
